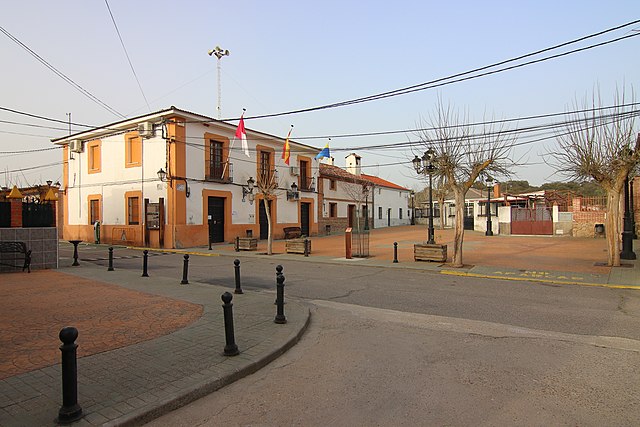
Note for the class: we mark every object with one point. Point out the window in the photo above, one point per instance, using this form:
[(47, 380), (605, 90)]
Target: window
[(333, 210), (216, 160), (332, 184), (483, 209), (436, 210), (264, 171), (304, 176), (133, 150), (400, 213), (133, 210), (94, 209), (94, 151), (379, 212)]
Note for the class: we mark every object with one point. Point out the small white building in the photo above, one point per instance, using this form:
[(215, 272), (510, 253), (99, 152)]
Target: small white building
[(350, 198), (174, 179)]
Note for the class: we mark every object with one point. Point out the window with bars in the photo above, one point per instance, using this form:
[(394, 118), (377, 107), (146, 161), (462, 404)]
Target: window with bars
[(94, 211), (216, 159)]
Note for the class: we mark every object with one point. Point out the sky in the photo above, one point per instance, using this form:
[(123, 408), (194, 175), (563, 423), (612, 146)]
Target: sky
[(290, 55)]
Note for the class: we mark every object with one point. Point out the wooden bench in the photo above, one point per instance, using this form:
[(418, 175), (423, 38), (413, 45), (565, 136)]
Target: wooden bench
[(428, 252), (292, 232), (298, 246), (17, 248)]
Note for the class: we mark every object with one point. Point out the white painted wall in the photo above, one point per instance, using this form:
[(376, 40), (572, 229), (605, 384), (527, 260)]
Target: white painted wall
[(391, 198)]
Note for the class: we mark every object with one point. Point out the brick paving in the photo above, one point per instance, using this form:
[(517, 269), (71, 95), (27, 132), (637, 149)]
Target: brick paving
[(168, 362), (34, 307)]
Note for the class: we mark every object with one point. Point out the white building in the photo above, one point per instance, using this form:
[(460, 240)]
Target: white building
[(348, 194), (113, 175)]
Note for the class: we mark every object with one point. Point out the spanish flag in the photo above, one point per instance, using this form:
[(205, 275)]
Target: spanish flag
[(286, 150)]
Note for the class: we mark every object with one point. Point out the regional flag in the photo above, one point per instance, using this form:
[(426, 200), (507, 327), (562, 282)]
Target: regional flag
[(286, 150), (324, 153), (241, 134)]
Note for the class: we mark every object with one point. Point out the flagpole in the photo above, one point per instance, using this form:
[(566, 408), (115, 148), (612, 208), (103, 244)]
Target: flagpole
[(233, 141)]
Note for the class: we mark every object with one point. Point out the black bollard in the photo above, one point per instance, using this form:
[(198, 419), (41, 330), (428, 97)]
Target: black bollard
[(236, 264), (280, 317), (395, 252), (110, 259), (145, 262), (230, 349), (70, 411), (237, 246), (278, 273), (185, 270), (307, 247)]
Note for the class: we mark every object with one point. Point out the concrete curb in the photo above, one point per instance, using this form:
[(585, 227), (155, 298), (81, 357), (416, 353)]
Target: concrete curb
[(205, 388)]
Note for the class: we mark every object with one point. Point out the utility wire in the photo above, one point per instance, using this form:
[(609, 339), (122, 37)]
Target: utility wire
[(444, 80), (127, 55), (61, 74)]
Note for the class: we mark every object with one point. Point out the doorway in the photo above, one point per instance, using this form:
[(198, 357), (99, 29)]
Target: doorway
[(262, 217), (305, 208), (216, 219)]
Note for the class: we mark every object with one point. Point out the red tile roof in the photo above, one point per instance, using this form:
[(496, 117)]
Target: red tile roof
[(336, 172)]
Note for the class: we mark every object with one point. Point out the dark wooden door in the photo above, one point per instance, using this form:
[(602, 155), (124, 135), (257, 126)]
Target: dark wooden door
[(304, 218), (216, 223), (264, 224)]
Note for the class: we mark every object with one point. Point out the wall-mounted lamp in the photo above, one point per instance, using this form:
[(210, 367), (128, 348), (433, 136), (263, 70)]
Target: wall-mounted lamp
[(293, 193), (248, 190), (312, 187), (162, 176)]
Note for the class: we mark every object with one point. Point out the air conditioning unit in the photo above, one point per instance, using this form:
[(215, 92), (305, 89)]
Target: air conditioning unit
[(76, 146), (145, 129), (293, 170)]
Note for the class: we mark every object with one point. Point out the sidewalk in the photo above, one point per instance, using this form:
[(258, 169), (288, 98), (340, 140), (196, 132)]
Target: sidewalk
[(549, 259), (159, 348)]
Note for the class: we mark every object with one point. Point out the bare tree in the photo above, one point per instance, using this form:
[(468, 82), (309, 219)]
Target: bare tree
[(462, 152), (358, 189), (600, 146), (267, 185)]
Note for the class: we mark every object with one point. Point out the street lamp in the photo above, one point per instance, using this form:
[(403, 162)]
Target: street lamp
[(425, 165), (489, 231), (219, 53)]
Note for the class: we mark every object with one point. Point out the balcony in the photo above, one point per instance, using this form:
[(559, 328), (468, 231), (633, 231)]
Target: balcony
[(307, 184), (222, 173), (267, 179)]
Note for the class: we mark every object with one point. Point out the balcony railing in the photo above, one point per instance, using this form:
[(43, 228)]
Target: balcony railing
[(307, 183), (221, 173), (267, 178)]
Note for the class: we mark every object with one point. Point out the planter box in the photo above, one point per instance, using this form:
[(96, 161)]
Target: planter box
[(427, 252), (246, 244), (297, 246)]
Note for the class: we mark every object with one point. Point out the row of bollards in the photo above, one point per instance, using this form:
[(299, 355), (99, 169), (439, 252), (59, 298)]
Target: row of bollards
[(71, 411)]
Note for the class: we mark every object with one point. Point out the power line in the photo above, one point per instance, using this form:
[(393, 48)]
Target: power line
[(444, 80), (127, 55), (61, 74)]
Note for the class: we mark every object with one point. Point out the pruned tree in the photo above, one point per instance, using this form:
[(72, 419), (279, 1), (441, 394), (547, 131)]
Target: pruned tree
[(462, 152), (358, 190), (604, 147), (267, 185)]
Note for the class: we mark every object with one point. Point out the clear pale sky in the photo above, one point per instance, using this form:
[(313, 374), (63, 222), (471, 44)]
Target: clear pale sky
[(287, 55)]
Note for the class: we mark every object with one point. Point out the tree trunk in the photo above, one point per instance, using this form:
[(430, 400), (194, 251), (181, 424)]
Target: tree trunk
[(443, 217), (613, 232), (458, 232), (267, 210)]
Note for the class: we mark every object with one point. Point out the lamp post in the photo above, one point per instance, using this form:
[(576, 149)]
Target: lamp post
[(219, 53), (489, 231), (365, 190), (425, 165)]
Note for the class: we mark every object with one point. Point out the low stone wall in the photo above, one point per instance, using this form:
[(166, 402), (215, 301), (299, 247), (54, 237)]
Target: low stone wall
[(41, 241)]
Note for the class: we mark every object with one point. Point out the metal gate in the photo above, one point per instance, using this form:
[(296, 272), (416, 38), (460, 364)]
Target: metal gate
[(37, 214), (536, 221), (5, 214)]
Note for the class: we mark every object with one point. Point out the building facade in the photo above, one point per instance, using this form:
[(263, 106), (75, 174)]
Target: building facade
[(175, 179)]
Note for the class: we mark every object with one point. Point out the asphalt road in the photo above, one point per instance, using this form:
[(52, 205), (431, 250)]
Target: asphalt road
[(389, 346)]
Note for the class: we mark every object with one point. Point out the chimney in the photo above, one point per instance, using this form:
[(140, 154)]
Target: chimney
[(496, 190), (353, 164)]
